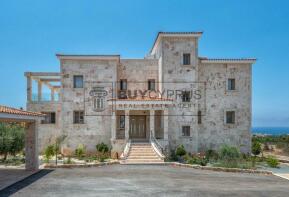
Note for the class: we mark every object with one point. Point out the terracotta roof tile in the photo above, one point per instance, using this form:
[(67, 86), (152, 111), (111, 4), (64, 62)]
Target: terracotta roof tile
[(10, 110)]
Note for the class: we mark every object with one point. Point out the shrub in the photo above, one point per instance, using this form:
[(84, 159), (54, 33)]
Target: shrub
[(68, 161), (80, 151), (180, 151), (229, 156), (49, 152), (272, 161), (102, 147), (256, 148), (198, 160), (211, 155)]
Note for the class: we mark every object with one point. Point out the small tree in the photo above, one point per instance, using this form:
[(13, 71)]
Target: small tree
[(256, 150), (80, 151), (49, 152)]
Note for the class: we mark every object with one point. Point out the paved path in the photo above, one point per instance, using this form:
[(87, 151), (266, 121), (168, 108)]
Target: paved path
[(9, 176), (141, 180)]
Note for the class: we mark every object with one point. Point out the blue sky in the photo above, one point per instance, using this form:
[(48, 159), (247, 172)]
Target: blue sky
[(31, 32)]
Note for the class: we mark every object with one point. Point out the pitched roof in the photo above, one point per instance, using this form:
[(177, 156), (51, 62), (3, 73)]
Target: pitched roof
[(10, 110)]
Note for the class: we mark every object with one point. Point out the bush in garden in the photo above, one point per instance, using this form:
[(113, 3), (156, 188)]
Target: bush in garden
[(102, 147), (229, 156), (256, 150), (212, 155), (80, 151), (272, 161), (49, 152), (180, 151)]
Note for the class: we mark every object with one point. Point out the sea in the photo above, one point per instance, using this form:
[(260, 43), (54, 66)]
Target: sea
[(270, 130)]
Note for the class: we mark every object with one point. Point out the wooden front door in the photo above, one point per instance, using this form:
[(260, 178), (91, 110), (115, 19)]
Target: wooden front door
[(137, 127)]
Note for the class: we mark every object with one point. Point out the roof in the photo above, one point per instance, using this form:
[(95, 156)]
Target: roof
[(227, 60), (173, 34), (10, 110), (88, 57)]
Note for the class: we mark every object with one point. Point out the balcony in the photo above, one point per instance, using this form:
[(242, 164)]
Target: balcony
[(43, 87)]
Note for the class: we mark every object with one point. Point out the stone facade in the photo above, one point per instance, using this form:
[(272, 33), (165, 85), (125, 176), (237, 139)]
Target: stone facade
[(112, 119)]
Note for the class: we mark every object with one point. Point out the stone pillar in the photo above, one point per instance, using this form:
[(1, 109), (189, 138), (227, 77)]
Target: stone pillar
[(126, 124), (31, 146), (166, 124), (52, 94), (39, 90), (113, 126), (29, 88), (152, 123)]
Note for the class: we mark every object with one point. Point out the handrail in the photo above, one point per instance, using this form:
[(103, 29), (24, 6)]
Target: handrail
[(126, 150), (156, 145)]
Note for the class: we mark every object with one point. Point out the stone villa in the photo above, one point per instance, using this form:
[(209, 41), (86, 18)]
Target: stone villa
[(171, 97)]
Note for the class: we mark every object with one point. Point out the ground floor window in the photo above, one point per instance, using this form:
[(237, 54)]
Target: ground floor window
[(122, 121), (49, 118), (186, 131), (230, 117), (78, 117)]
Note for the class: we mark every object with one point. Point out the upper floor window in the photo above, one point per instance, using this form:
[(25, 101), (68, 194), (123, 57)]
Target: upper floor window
[(151, 84), (78, 117), (186, 59), (230, 117), (49, 118), (199, 117), (78, 81), (186, 131), (123, 84), (231, 84), (98, 103), (186, 96)]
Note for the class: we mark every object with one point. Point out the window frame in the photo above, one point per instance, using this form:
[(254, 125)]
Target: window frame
[(232, 119), (121, 82), (122, 122), (184, 134), (186, 59), (75, 83), (50, 118), (150, 82), (199, 117), (188, 99), (78, 120), (231, 84)]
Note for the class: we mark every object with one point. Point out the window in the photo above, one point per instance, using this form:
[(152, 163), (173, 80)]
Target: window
[(78, 81), (151, 84), (186, 96), (199, 117), (186, 59), (98, 103), (123, 84), (78, 117), (230, 117), (186, 131), (49, 118), (122, 121), (231, 84)]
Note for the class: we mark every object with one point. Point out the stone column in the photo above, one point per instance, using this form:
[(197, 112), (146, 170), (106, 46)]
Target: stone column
[(152, 123), (39, 90), (52, 94), (126, 124), (29, 88), (31, 146), (113, 126), (166, 124)]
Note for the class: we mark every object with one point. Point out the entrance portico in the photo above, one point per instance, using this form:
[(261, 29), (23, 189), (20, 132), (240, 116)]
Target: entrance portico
[(139, 120)]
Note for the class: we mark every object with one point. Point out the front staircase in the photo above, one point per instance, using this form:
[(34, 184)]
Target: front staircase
[(142, 153)]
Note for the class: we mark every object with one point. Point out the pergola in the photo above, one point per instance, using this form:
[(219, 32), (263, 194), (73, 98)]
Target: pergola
[(32, 121)]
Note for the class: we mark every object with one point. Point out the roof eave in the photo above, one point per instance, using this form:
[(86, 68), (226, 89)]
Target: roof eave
[(87, 57)]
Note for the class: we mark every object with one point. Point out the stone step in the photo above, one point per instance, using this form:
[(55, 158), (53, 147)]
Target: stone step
[(142, 157), (143, 160), (142, 154)]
